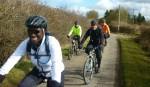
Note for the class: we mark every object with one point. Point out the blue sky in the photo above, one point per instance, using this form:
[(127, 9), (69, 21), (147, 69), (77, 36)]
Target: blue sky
[(82, 6), (70, 3)]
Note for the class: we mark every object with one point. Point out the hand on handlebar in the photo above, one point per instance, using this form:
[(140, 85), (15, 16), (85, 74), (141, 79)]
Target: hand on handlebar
[(2, 77), (80, 46), (68, 36)]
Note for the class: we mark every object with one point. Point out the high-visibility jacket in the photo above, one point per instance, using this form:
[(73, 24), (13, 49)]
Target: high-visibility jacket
[(105, 28), (75, 31)]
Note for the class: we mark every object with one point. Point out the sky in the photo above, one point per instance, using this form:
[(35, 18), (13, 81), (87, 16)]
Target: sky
[(83, 6)]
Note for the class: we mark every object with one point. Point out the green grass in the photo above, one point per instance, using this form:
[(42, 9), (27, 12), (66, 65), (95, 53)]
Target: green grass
[(65, 52), (17, 74), (135, 64), (13, 78)]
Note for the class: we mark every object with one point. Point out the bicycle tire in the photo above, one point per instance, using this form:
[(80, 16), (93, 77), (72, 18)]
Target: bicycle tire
[(70, 53), (88, 71), (76, 50), (96, 65), (73, 50)]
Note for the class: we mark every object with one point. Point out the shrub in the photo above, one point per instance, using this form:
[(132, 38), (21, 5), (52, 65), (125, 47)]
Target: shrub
[(144, 38), (128, 29)]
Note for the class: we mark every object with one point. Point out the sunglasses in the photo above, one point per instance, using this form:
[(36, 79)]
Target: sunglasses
[(33, 31)]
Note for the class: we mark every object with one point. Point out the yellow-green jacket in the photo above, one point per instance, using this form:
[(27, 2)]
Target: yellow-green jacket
[(75, 31)]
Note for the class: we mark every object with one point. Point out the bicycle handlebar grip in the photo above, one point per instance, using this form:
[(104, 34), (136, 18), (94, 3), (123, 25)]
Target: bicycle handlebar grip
[(68, 36), (80, 46), (53, 83)]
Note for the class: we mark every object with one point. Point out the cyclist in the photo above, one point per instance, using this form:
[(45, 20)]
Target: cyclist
[(105, 28), (48, 64), (96, 40), (75, 32)]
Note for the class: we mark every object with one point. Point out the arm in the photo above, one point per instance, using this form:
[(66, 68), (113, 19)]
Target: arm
[(14, 58), (108, 29), (85, 36), (80, 33), (56, 58), (71, 31)]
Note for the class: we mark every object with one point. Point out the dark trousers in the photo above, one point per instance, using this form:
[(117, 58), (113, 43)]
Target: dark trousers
[(106, 36), (34, 78), (77, 38), (97, 52)]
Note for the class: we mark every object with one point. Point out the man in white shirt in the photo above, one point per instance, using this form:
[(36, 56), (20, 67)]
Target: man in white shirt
[(45, 53)]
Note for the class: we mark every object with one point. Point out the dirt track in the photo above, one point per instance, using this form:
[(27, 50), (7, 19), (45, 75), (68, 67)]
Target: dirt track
[(108, 72)]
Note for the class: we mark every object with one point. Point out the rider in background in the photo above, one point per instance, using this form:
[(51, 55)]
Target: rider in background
[(45, 54), (75, 32), (96, 40), (105, 28)]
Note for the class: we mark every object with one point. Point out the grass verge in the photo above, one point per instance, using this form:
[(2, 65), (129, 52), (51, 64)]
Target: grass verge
[(135, 64), (17, 74)]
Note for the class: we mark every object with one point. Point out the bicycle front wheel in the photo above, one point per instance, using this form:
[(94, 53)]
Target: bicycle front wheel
[(88, 71), (76, 50), (70, 53)]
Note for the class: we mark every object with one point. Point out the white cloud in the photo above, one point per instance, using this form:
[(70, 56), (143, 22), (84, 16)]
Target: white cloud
[(138, 7), (135, 1), (103, 5), (145, 10), (106, 4)]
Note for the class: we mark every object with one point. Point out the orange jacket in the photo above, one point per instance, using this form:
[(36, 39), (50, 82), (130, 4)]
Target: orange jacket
[(106, 28)]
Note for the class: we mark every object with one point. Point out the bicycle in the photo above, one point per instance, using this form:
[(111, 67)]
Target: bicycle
[(90, 65), (73, 49)]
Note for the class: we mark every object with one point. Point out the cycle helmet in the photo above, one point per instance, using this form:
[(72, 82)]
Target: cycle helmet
[(36, 22), (93, 22), (102, 20), (76, 22)]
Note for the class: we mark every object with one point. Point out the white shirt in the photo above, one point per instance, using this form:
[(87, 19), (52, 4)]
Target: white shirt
[(54, 65)]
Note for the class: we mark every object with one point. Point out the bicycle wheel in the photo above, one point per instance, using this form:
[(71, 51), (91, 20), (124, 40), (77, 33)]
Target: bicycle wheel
[(95, 65), (70, 53), (88, 71), (76, 49)]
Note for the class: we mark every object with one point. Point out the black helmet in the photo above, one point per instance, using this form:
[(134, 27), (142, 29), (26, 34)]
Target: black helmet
[(93, 22), (36, 22)]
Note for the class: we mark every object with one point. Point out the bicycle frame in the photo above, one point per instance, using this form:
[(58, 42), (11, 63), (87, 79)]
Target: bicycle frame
[(74, 46)]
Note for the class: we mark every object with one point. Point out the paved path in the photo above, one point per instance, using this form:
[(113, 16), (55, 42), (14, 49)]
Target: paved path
[(108, 72), (109, 69)]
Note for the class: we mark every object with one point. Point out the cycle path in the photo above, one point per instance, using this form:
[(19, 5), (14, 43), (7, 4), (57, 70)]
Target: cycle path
[(108, 72)]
